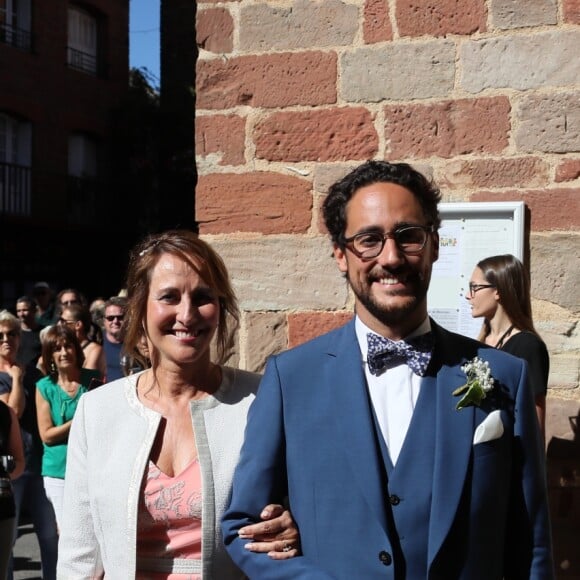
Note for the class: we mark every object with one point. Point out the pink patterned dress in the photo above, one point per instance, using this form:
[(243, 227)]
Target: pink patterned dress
[(169, 525)]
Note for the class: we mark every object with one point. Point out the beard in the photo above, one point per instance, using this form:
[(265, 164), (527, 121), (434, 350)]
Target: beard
[(395, 305)]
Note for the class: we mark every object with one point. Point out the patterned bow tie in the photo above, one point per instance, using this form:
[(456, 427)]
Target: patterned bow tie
[(384, 353)]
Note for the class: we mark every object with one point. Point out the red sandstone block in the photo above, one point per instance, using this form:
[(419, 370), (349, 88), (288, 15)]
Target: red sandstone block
[(440, 17), (266, 202), (323, 135), (270, 80), (550, 209), (377, 24), (448, 128), (303, 326), (215, 30), (504, 172), (571, 11), (568, 170), (223, 135)]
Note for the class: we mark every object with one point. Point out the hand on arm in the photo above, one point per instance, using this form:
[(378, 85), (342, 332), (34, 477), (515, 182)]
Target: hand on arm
[(277, 535), (49, 433)]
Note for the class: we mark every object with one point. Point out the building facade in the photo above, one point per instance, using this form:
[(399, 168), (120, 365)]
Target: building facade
[(63, 74)]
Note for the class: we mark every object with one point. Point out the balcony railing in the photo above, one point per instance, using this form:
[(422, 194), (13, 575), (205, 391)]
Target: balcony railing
[(16, 37), (47, 196), (84, 200), (15, 189), (82, 61)]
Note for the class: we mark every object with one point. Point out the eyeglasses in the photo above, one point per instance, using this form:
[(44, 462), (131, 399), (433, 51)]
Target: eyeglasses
[(64, 321), (8, 335), (112, 317), (473, 288), (69, 302), (409, 240)]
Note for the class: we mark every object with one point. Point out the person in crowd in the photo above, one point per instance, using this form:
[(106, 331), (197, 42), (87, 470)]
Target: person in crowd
[(44, 296), (17, 390), (405, 450), (74, 297), (139, 359), (113, 336), (12, 373), (499, 291), (57, 398), (78, 318), (151, 456), (30, 347), (97, 310), (11, 466), (70, 297)]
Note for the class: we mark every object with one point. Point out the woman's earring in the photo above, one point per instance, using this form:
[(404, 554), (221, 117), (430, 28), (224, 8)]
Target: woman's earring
[(52, 367)]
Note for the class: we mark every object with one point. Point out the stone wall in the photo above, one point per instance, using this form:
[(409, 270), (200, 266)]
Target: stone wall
[(482, 95)]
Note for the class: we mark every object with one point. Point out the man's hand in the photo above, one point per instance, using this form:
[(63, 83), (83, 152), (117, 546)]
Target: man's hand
[(277, 535)]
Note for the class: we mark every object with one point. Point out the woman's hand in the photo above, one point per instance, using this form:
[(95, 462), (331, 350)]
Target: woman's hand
[(277, 535), (16, 399)]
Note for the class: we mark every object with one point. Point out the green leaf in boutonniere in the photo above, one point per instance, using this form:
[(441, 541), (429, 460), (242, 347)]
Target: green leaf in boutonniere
[(479, 383)]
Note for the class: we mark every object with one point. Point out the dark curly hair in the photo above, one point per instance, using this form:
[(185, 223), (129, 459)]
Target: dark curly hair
[(341, 192)]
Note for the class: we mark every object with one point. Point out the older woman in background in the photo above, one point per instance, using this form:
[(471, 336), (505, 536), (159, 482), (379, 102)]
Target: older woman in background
[(152, 455), (17, 390), (57, 397)]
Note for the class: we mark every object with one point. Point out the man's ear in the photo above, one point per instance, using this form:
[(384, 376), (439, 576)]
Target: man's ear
[(340, 257), (435, 246)]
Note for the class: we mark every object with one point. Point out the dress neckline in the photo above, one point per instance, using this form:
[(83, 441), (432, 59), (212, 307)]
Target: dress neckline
[(504, 336)]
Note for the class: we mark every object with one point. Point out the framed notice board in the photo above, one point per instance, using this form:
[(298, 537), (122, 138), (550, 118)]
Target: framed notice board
[(470, 232)]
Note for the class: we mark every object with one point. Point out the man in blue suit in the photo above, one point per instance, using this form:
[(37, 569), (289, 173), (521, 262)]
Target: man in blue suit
[(386, 478)]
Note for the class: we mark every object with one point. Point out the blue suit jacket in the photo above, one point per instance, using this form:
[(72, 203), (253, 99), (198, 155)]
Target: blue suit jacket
[(310, 436)]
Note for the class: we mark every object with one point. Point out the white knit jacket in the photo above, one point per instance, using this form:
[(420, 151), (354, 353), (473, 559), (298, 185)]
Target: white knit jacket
[(109, 447)]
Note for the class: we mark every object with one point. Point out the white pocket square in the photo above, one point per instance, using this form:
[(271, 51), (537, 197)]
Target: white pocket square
[(491, 428)]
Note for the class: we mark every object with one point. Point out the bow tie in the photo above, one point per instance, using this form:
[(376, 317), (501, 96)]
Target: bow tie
[(384, 353)]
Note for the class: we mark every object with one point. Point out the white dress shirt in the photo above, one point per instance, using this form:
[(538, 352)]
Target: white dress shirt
[(393, 393)]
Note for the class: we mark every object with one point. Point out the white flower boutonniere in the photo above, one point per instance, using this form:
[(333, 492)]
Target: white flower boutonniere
[(479, 383)]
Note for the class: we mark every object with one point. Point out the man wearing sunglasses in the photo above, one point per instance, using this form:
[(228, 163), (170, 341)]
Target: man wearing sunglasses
[(360, 431), (113, 335)]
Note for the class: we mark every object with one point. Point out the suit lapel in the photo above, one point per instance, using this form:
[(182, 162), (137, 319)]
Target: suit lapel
[(453, 439), (354, 420)]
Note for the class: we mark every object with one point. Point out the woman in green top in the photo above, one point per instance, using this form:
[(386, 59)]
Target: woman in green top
[(57, 397)]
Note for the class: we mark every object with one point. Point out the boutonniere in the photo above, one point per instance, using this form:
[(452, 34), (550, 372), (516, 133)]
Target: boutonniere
[(479, 383)]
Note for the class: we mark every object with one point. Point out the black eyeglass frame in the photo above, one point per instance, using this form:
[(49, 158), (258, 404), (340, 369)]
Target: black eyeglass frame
[(62, 320), (475, 288), (349, 242)]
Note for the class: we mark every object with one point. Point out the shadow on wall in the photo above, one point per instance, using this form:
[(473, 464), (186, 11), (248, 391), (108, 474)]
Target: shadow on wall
[(563, 466)]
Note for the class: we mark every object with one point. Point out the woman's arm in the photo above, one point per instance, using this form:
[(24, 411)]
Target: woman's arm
[(95, 358), (49, 433), (15, 398), (15, 446)]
